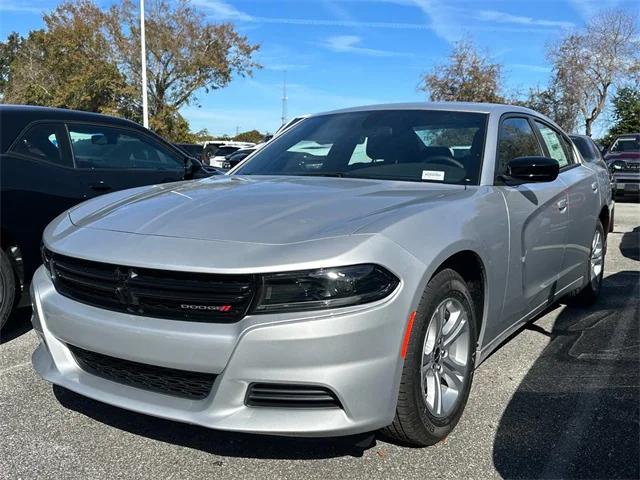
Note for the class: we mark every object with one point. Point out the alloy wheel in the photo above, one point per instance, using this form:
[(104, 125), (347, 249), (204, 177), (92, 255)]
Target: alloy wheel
[(597, 258), (445, 355)]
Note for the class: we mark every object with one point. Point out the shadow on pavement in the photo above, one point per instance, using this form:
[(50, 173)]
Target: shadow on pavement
[(630, 244), (226, 444), (576, 413), (17, 325)]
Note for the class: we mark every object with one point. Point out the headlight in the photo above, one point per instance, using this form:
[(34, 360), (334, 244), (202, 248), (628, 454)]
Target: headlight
[(324, 288), (617, 165)]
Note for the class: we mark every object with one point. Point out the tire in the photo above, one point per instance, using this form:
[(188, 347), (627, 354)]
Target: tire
[(590, 292), (7, 288), (418, 421)]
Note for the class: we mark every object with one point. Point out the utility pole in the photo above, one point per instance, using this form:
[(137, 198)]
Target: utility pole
[(143, 53), (284, 99)]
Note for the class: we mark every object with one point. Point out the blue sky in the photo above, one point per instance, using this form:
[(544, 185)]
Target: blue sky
[(341, 53)]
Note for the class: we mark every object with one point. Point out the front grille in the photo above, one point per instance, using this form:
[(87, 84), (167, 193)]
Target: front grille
[(179, 383), (290, 396), (167, 294)]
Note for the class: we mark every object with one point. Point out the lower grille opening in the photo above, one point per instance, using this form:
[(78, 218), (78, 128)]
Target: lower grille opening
[(290, 396), (178, 383)]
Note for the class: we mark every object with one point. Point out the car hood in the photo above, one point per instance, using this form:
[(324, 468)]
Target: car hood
[(258, 209)]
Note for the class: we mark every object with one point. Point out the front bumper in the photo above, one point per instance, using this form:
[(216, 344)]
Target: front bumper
[(627, 183), (352, 351)]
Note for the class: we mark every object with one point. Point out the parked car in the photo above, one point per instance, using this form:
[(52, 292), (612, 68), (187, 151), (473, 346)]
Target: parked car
[(623, 158), (216, 152), (194, 150), (591, 153), (320, 296), (231, 161), (52, 159)]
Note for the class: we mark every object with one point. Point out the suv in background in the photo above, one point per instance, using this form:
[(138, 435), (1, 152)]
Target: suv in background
[(623, 159), (52, 159), (194, 150)]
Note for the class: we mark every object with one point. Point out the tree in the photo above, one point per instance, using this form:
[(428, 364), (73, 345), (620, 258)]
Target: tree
[(67, 64), (552, 102), (253, 136), (8, 53), (185, 54), (87, 58), (587, 64), (468, 76), (626, 113)]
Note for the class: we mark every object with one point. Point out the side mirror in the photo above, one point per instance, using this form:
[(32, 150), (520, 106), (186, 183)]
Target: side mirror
[(533, 169)]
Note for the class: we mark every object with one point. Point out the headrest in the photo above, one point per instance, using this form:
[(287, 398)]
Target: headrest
[(380, 144)]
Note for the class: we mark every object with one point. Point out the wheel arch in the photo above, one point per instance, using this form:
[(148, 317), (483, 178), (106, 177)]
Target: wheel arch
[(470, 266), (605, 219)]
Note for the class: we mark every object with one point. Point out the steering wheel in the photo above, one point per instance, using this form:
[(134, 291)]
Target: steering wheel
[(442, 159)]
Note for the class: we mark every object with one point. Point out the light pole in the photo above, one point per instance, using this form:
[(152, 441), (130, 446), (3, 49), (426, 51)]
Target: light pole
[(143, 53)]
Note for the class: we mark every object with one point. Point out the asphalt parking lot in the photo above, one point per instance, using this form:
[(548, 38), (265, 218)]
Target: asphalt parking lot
[(560, 400)]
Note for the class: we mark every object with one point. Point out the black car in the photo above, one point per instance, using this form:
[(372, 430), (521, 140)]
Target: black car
[(52, 159), (194, 150), (236, 157)]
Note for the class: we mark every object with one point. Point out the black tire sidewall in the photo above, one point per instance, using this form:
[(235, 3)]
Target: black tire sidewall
[(9, 288), (445, 284)]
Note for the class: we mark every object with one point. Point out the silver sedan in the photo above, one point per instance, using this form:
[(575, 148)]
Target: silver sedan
[(349, 276)]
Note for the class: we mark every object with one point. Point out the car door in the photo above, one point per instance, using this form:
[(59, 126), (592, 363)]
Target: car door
[(38, 183), (583, 191), (114, 158), (538, 225)]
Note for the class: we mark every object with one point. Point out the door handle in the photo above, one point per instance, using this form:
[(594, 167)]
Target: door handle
[(100, 186), (594, 187), (562, 205)]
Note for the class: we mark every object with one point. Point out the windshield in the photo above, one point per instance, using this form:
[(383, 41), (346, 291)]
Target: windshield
[(409, 145), (626, 145)]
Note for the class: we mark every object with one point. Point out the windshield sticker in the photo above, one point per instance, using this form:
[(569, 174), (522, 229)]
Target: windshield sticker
[(433, 175)]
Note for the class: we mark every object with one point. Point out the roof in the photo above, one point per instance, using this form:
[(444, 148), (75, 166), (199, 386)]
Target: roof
[(495, 108), (15, 117)]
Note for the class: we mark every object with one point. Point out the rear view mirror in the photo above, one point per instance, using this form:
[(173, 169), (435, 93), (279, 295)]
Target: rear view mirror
[(533, 169)]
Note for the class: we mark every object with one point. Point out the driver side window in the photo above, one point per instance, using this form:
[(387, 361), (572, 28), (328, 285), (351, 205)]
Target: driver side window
[(516, 139)]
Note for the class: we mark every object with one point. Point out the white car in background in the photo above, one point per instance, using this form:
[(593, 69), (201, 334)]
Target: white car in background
[(215, 152)]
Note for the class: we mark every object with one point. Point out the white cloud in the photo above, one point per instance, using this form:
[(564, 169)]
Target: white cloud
[(17, 7), (502, 17), (222, 10), (351, 44), (588, 8), (531, 68)]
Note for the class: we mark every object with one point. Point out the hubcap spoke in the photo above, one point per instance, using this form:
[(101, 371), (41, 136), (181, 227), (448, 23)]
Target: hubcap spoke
[(459, 325), (437, 393), (452, 374), (444, 357)]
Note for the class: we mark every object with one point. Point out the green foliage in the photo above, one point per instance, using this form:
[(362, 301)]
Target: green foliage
[(554, 103), (87, 58), (67, 64), (626, 113), (468, 76), (253, 136)]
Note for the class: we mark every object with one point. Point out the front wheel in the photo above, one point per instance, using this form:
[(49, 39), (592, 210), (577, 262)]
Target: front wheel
[(595, 269), (7, 288), (439, 364)]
